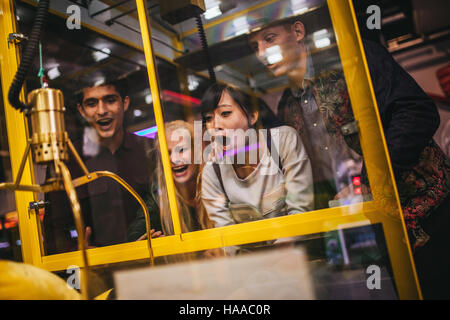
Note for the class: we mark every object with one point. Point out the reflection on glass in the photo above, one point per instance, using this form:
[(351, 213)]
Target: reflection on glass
[(108, 103), (272, 130), (274, 136), (288, 71), (278, 135), (348, 263), (343, 264)]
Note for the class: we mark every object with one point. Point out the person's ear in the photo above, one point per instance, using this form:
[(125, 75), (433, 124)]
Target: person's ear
[(81, 111), (253, 117), (126, 103), (299, 29)]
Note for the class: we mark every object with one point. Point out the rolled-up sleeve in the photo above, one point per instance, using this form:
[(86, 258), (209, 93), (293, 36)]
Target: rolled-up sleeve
[(297, 171)]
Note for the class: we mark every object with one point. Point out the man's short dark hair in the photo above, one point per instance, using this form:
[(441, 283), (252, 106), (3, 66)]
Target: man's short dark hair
[(120, 85), (286, 23)]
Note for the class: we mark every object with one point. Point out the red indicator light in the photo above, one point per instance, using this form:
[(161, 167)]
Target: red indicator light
[(356, 181)]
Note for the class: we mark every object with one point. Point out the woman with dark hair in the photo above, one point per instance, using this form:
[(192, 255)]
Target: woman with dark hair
[(261, 170)]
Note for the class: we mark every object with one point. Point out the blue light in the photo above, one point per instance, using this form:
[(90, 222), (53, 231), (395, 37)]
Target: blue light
[(73, 234), (148, 131), (4, 245)]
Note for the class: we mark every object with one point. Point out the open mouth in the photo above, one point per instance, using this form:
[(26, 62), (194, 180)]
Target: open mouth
[(104, 123), (179, 170)]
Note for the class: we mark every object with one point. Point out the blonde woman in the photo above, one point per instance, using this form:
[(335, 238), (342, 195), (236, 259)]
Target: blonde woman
[(186, 176)]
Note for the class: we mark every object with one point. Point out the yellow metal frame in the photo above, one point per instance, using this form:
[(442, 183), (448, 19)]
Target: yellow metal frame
[(17, 138), (144, 21), (374, 146), (385, 208)]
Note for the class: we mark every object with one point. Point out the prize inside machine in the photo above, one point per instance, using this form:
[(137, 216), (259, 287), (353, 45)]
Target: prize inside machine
[(112, 219)]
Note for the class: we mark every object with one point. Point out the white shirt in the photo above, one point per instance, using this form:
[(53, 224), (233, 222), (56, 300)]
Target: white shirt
[(284, 192)]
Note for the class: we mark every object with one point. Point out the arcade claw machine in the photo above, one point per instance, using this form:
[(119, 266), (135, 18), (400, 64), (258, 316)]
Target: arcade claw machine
[(113, 211)]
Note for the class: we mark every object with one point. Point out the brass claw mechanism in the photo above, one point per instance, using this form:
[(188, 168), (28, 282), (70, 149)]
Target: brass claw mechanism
[(50, 143)]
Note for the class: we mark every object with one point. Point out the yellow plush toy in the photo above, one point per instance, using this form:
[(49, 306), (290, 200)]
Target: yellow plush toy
[(19, 281)]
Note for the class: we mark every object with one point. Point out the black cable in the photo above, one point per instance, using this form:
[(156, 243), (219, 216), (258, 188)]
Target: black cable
[(28, 56), (204, 43)]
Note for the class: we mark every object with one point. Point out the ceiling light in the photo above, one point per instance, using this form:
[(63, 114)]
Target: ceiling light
[(240, 25), (298, 6), (137, 113), (102, 54), (321, 39), (53, 73), (148, 99), (192, 83), (320, 33), (300, 10), (212, 9), (322, 43), (99, 82), (212, 13)]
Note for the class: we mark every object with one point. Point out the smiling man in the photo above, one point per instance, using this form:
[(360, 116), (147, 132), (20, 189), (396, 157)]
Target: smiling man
[(103, 107), (107, 207)]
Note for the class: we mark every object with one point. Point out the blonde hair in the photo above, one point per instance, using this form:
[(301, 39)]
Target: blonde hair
[(188, 221)]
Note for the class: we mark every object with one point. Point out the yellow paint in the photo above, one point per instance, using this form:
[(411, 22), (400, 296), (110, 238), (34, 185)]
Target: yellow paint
[(17, 138), (374, 146), (286, 226), (104, 295), (154, 24), (144, 21)]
